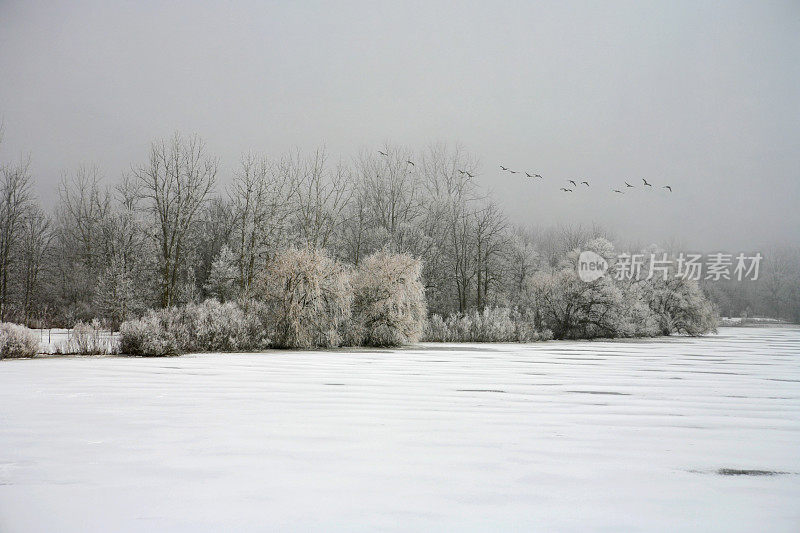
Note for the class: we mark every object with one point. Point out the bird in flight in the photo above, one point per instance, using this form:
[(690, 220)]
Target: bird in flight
[(382, 153), (470, 175), (538, 176), (529, 175), (573, 183), (645, 182), (619, 191), (504, 168), (566, 190), (667, 187), (411, 163), (585, 183), (514, 171), (628, 184), (461, 172)]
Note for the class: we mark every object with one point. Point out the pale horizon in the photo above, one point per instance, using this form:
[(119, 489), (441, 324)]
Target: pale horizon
[(698, 96)]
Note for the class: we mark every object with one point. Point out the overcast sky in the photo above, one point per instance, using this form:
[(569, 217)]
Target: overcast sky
[(703, 96)]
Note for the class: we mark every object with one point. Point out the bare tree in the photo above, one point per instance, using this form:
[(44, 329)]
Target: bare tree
[(490, 240), (177, 182), (261, 197), (15, 203), (36, 238), (82, 214), (452, 200), (320, 200), (83, 207)]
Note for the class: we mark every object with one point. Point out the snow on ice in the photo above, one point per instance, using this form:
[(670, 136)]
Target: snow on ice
[(647, 435)]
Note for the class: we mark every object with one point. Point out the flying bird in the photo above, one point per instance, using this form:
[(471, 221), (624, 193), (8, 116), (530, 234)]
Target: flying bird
[(573, 183), (470, 175), (645, 182), (382, 153), (537, 176), (504, 168), (566, 190), (411, 163), (619, 191), (528, 175), (514, 171), (628, 184), (667, 187), (461, 172), (585, 183)]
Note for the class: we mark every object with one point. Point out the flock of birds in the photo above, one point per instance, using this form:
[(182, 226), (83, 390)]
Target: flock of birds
[(539, 176), (576, 184)]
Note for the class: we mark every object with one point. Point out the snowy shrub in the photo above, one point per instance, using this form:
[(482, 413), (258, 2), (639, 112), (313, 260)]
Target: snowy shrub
[(574, 309), (436, 330), (389, 300), (155, 334), (216, 327), (209, 326), (679, 306), (500, 324), (88, 339), (17, 341), (637, 319), (608, 307), (308, 299)]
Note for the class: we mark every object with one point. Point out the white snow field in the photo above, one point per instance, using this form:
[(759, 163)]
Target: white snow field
[(555, 436)]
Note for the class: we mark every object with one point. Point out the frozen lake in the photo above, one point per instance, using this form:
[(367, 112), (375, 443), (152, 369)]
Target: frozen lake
[(571, 436)]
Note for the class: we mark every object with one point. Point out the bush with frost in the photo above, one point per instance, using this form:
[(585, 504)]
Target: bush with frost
[(574, 309), (17, 341), (88, 339), (157, 333), (501, 324), (389, 300), (307, 297), (610, 307), (679, 306), (209, 326), (222, 327)]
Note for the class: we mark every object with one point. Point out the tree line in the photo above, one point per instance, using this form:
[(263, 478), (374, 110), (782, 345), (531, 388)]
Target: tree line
[(169, 233)]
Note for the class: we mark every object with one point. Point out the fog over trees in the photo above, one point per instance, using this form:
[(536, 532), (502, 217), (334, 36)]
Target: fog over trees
[(168, 234)]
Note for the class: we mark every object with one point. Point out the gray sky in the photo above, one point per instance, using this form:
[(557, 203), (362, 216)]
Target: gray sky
[(704, 96)]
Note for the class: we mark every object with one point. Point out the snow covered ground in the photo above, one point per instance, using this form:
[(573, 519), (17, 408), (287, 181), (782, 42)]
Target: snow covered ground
[(575, 436)]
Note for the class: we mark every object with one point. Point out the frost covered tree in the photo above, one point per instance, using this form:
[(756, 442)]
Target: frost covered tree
[(221, 282), (115, 295), (573, 308), (176, 181), (520, 262), (308, 298), (212, 231), (15, 202), (261, 198), (679, 306), (82, 216), (389, 300), (35, 246), (318, 205)]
